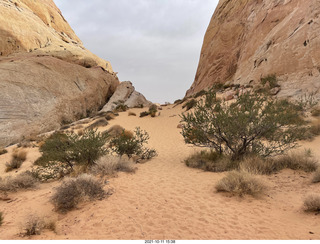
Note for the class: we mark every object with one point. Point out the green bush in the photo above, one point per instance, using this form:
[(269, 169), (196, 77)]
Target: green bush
[(254, 123), (130, 145), (190, 104), (72, 148), (144, 114), (240, 183), (271, 80)]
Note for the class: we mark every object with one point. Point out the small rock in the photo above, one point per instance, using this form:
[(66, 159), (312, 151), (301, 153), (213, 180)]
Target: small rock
[(274, 91)]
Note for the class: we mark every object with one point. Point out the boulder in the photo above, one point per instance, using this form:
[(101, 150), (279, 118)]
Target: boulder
[(39, 94), (126, 94)]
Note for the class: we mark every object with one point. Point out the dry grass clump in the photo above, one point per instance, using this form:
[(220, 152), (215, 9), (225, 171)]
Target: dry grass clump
[(240, 183), (33, 225), (316, 176), (18, 157), (109, 165), (22, 181), (3, 151), (210, 161), (257, 165), (297, 161), (72, 191), (312, 203), (115, 130), (98, 123), (131, 113)]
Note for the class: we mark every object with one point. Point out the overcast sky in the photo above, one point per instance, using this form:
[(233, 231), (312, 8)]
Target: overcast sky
[(153, 43)]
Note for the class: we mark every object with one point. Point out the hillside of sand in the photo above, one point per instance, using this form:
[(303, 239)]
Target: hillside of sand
[(165, 199)]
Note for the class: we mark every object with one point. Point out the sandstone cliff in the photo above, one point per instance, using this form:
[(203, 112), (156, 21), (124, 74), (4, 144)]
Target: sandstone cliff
[(250, 39), (47, 76)]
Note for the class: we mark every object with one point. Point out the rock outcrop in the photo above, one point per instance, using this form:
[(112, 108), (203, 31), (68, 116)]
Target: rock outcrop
[(250, 39), (47, 76), (38, 26), (127, 95)]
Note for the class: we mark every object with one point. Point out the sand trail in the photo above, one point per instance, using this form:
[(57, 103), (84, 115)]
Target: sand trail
[(164, 199)]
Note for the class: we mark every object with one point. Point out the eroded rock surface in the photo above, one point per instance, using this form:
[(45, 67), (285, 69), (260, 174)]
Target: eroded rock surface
[(47, 77), (249, 39), (126, 94)]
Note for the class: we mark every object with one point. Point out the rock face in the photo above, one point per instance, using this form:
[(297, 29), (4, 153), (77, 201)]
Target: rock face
[(126, 93), (250, 39), (38, 26), (47, 76)]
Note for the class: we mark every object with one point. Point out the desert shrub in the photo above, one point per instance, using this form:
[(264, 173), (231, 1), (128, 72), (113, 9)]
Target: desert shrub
[(130, 145), (68, 148), (1, 218), (210, 161), (153, 109), (132, 114), (109, 165), (312, 203), (190, 104), (253, 123), (24, 180), (120, 106), (240, 183), (144, 114), (98, 123), (316, 176), (178, 101), (255, 164), (72, 191), (33, 225), (297, 161), (270, 80), (115, 130), (148, 154), (3, 151), (200, 94), (18, 157)]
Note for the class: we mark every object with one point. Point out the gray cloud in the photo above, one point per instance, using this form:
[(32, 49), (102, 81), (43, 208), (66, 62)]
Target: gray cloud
[(153, 43)]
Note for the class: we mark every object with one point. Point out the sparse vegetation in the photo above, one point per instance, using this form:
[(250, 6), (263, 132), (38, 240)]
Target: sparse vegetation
[(120, 106), (51, 171), (144, 114), (33, 225), (312, 203), (297, 161), (153, 109), (18, 157), (24, 180), (190, 104), (130, 145), (109, 165), (72, 191), (254, 123), (200, 94), (69, 148), (3, 151), (240, 183), (210, 161), (115, 130), (255, 164), (270, 80)]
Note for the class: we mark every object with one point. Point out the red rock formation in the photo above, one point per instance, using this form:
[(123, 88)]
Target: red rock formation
[(250, 39)]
